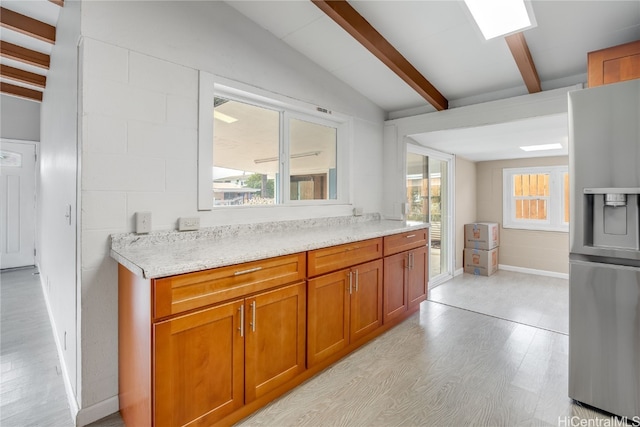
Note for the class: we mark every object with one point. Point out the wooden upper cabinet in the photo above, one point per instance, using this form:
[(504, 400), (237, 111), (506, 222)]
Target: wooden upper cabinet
[(614, 64)]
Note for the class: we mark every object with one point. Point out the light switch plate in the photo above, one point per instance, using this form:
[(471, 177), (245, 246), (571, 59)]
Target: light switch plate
[(188, 224), (143, 222)]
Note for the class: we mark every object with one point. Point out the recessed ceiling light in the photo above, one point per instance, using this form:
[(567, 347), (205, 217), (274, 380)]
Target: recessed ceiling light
[(542, 147), (223, 117), (501, 17)]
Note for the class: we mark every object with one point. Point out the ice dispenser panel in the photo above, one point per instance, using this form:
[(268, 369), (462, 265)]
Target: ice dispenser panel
[(612, 218)]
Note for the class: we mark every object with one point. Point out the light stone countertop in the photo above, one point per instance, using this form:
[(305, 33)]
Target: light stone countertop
[(169, 253)]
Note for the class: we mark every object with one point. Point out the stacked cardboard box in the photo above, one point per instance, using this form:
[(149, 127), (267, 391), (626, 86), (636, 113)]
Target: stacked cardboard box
[(481, 241)]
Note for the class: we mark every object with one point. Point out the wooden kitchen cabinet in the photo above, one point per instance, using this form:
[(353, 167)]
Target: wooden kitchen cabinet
[(405, 273), (211, 347), (199, 366), (215, 355), (275, 338), (614, 64), (343, 307)]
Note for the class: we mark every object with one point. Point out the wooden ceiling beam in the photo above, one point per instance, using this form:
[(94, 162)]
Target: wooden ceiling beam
[(520, 51), (27, 56), (22, 92), (58, 2), (360, 29), (22, 76), (28, 26)]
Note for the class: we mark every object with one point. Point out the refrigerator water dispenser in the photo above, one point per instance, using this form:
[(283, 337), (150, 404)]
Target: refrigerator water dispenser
[(613, 218)]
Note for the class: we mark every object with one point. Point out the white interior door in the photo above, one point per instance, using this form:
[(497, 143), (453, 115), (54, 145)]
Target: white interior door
[(17, 210)]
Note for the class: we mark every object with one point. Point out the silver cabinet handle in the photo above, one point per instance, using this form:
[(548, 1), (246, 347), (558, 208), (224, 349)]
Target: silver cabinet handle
[(251, 270), (357, 280), (241, 328), (410, 236), (350, 284), (408, 265), (410, 260), (253, 316)]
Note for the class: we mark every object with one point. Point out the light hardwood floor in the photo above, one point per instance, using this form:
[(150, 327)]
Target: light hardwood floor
[(31, 387), (444, 366)]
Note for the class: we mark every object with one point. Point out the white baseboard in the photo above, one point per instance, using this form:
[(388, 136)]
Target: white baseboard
[(458, 272), (533, 271), (71, 398), (98, 411)]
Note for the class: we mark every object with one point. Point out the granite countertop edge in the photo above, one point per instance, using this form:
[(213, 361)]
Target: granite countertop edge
[(163, 259)]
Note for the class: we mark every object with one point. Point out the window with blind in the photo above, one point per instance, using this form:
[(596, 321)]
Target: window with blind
[(536, 198)]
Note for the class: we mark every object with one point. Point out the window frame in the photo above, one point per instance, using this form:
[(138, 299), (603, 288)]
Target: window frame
[(555, 204), (210, 87)]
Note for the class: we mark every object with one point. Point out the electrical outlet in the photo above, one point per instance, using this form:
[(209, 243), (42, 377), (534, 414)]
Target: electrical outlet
[(357, 211), (188, 224), (143, 222)]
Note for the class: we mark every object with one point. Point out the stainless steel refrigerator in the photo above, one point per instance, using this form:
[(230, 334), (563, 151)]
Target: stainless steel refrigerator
[(604, 271)]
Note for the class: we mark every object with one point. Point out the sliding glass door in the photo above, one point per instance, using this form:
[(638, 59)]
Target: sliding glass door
[(429, 199)]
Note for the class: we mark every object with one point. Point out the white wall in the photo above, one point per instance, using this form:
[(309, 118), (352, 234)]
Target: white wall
[(58, 189), (19, 118), (547, 251), (466, 197), (139, 137)]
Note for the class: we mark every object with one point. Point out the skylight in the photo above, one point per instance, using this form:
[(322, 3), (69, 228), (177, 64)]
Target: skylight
[(497, 18), (541, 147)]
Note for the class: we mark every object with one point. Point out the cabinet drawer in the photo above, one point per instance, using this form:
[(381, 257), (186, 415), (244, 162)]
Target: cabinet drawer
[(184, 292), (334, 258), (405, 241)]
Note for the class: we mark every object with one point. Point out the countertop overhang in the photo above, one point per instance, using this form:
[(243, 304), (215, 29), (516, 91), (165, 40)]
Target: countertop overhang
[(169, 253)]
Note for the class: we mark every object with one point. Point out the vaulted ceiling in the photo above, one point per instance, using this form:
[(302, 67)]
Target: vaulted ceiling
[(27, 35), (441, 41), (368, 44), (408, 57)]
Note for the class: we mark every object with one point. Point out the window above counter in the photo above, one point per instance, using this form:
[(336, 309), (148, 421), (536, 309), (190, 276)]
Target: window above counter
[(259, 151)]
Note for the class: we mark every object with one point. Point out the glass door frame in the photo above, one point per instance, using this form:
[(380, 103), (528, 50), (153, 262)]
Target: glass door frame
[(412, 147)]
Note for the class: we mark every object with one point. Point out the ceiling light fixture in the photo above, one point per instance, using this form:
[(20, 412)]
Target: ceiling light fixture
[(497, 18), (542, 147), (293, 156), (223, 117)]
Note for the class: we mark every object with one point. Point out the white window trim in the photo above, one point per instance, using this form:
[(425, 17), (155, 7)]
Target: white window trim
[(555, 217), (211, 86)]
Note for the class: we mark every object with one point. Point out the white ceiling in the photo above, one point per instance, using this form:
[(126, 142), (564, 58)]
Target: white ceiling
[(442, 42)]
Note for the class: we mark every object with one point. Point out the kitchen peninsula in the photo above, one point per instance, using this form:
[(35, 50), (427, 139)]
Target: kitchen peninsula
[(215, 323)]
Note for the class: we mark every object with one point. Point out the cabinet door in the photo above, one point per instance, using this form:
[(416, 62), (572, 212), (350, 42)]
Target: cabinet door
[(199, 366), (395, 290), (275, 328), (327, 315), (366, 299), (418, 276)]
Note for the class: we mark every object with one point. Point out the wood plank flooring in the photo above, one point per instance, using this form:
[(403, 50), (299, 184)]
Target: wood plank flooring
[(31, 386), (444, 366)]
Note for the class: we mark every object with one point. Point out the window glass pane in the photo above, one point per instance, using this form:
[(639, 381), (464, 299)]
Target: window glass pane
[(245, 153), (312, 166), (418, 187)]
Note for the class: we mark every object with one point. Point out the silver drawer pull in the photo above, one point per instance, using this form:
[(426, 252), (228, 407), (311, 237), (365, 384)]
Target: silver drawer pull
[(251, 270), (410, 236), (241, 328)]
